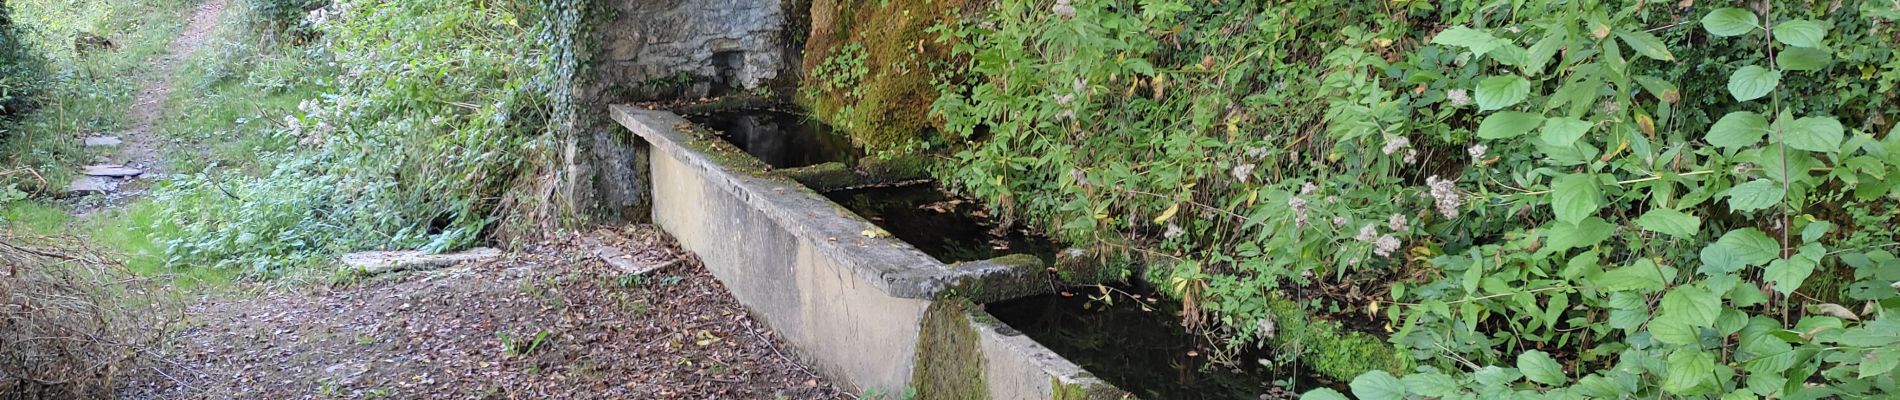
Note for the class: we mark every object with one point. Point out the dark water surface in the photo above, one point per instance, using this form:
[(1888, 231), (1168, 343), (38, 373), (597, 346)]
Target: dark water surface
[(780, 139), (947, 227), (1145, 352)]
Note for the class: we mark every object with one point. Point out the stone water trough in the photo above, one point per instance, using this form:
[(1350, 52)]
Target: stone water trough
[(863, 307)]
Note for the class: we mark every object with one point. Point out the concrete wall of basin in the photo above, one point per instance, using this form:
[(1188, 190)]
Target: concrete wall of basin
[(852, 306)]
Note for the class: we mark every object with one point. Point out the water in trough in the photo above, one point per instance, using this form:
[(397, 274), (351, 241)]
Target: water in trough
[(780, 139), (1141, 347)]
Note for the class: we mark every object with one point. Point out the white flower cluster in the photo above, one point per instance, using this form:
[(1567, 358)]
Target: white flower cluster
[(1445, 196), (1384, 245), (1458, 97), (1397, 144), (1064, 8), (1299, 210)]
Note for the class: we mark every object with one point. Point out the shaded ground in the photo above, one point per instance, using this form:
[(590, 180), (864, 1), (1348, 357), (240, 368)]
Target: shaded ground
[(547, 323)]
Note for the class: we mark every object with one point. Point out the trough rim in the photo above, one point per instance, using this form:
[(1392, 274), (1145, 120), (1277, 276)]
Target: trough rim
[(893, 266)]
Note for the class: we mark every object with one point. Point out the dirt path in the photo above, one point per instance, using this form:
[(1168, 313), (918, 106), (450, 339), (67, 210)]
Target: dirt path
[(141, 149), (539, 324)]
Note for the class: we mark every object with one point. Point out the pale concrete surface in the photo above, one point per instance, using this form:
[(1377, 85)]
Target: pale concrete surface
[(849, 303)]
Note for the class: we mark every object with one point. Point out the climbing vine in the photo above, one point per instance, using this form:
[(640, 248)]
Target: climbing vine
[(1581, 199)]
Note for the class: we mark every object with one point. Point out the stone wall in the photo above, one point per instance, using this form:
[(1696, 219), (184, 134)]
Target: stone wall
[(642, 50), (654, 49)]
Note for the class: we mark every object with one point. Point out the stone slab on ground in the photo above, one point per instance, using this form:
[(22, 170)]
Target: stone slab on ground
[(620, 260), (376, 262), (91, 185), (112, 171), (102, 141)]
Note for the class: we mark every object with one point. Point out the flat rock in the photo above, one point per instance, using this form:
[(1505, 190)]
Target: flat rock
[(376, 262), (621, 260), (91, 185), (112, 171), (102, 141)]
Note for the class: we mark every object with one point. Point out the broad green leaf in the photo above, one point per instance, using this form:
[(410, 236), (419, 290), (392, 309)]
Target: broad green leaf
[(1563, 131), (1761, 352), (1502, 91), (1430, 384), (1878, 362), (1670, 222), (1323, 394), (1815, 230), (1491, 375), (1736, 249), (1647, 45), (1822, 134), (1752, 82), (1755, 195), (1738, 129), (1800, 33), (1508, 124), (1539, 367), (1802, 59), (1478, 41), (1730, 22), (1691, 371), (1628, 319), (1693, 305), (1731, 321), (1739, 249), (1575, 196), (1644, 276), (1662, 89), (1598, 387), (1788, 273), (1589, 232), (1674, 330), (1378, 385), (1540, 54)]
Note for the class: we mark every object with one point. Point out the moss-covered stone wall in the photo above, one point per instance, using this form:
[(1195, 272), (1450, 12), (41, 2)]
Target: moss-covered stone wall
[(883, 98)]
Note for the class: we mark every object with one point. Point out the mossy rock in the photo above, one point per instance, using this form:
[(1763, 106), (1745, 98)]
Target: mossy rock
[(901, 57), (823, 177), (1329, 348)]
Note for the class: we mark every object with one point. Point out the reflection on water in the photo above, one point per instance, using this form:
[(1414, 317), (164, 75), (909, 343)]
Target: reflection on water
[(1138, 346), (947, 227), (780, 139)]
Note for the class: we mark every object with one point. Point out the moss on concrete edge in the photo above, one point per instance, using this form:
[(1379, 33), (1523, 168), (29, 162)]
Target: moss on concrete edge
[(949, 358)]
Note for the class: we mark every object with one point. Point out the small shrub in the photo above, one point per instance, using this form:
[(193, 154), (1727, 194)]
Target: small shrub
[(72, 319)]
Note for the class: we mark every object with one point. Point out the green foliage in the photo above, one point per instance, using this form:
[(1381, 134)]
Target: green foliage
[(1659, 234), (79, 93), (287, 18), (869, 71), (20, 67), (434, 110)]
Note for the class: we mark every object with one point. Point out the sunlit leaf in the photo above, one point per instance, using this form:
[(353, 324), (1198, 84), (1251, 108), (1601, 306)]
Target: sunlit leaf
[(1669, 222), (1752, 82), (1502, 91), (1738, 129), (1730, 22), (1755, 195), (1800, 33), (1508, 124)]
